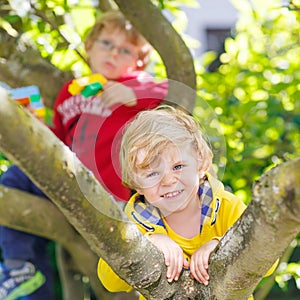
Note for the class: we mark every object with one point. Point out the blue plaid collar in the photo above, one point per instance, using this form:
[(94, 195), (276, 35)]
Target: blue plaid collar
[(206, 196)]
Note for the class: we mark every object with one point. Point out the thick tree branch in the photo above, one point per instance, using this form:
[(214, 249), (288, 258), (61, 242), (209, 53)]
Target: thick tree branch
[(262, 292), (76, 193)]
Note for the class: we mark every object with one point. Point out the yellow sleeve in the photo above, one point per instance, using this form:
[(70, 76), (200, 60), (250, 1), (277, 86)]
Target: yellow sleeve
[(110, 280), (231, 209)]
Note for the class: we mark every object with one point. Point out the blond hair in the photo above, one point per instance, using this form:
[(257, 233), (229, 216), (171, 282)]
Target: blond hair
[(114, 20), (152, 131)]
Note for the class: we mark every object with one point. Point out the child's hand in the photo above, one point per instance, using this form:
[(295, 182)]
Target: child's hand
[(199, 262), (115, 92), (173, 255)]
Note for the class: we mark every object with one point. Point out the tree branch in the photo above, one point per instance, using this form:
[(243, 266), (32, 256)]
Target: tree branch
[(54, 26), (77, 193), (262, 292), (84, 202)]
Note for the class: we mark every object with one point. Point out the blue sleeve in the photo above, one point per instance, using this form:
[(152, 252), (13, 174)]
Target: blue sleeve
[(16, 179)]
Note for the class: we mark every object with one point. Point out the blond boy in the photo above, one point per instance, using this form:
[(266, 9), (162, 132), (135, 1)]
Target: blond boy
[(179, 206)]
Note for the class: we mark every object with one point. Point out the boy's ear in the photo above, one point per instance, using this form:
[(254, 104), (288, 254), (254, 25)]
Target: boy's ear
[(199, 165), (88, 45), (201, 171)]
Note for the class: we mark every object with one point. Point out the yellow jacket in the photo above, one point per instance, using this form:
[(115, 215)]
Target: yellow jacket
[(220, 210)]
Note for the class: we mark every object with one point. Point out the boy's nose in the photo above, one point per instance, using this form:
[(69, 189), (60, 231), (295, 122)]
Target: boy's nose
[(114, 50), (168, 179)]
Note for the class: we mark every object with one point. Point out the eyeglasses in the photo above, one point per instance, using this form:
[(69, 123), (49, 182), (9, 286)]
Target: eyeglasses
[(123, 52)]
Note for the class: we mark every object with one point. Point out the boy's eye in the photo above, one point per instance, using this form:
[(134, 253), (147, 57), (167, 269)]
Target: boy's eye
[(124, 51), (106, 43), (178, 167), (152, 174)]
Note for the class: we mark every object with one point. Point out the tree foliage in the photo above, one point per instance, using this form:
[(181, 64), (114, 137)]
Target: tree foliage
[(255, 91)]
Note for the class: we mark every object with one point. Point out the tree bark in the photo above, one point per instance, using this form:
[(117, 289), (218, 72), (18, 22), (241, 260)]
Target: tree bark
[(76, 192), (262, 292)]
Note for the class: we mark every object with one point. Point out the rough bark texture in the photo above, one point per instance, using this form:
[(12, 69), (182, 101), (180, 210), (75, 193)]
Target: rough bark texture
[(244, 255), (110, 238)]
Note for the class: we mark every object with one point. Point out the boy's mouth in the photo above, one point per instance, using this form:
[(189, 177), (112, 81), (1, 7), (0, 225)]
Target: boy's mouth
[(172, 194), (109, 64)]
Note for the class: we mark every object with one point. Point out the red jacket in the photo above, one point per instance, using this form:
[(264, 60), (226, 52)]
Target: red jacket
[(94, 131)]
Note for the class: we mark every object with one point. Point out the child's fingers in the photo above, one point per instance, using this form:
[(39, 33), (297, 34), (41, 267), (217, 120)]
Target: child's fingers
[(199, 270), (169, 265), (175, 265), (167, 257), (171, 270), (180, 264), (115, 92), (108, 84), (173, 255)]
